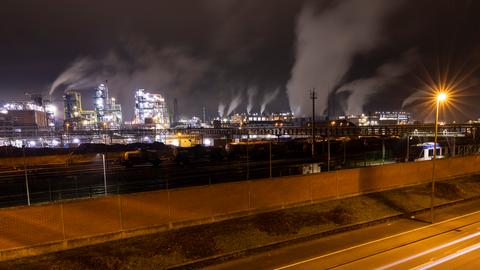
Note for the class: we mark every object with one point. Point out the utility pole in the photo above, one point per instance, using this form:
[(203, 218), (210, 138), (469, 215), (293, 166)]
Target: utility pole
[(313, 97), (204, 117)]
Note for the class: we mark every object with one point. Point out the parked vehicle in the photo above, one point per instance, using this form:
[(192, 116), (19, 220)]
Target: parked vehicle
[(141, 156)]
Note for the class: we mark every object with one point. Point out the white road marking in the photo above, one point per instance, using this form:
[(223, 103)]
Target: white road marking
[(374, 241), (449, 257)]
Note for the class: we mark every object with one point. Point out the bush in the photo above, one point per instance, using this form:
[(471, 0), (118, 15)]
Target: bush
[(339, 215)]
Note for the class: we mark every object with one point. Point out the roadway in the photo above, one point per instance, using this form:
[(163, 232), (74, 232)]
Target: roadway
[(451, 243)]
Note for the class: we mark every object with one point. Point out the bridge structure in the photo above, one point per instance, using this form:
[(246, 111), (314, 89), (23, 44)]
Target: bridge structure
[(451, 130), (333, 131)]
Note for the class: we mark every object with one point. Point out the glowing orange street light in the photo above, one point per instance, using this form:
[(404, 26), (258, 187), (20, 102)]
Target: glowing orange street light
[(440, 98)]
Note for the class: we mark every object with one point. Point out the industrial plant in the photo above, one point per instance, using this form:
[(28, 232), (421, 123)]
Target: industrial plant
[(98, 118), (34, 111), (151, 109), (107, 114)]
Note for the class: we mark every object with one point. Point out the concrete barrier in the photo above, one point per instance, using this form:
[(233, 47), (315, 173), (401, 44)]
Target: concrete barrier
[(348, 182), (266, 194), (393, 175), (26, 226), (145, 209), (295, 190), (234, 198), (91, 217), (50, 227), (184, 206), (321, 186)]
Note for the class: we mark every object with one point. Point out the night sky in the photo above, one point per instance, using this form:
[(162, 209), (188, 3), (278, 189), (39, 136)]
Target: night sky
[(359, 55)]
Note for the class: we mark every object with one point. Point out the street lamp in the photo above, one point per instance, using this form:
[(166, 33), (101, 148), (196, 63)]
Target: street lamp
[(441, 97)]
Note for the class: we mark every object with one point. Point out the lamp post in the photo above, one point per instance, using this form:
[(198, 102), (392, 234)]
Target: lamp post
[(441, 97)]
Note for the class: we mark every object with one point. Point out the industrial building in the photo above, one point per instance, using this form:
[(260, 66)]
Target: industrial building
[(393, 118), (259, 120), (379, 118), (107, 114), (151, 109), (75, 116), (34, 112)]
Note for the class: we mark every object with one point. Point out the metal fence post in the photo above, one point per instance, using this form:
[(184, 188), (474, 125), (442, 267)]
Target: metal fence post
[(26, 175), (104, 174)]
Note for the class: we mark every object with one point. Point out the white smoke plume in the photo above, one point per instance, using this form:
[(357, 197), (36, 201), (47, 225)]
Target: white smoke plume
[(168, 71), (413, 98), (326, 43), (251, 93), (221, 110), (269, 97), (361, 89), (74, 73), (234, 103)]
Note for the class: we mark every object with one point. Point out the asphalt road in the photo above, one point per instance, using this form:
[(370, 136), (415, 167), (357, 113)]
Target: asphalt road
[(453, 243)]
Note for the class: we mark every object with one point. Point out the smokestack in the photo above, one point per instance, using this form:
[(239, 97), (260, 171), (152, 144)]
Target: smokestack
[(204, 115), (175, 110)]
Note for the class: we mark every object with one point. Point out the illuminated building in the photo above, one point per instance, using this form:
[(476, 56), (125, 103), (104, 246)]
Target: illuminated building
[(256, 120), (151, 109), (75, 116), (106, 114), (361, 120), (393, 118), (72, 105), (107, 111), (34, 112), (379, 118)]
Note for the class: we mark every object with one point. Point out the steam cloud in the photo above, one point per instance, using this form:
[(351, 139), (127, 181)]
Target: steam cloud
[(326, 44), (269, 97), (74, 73), (171, 71), (360, 90), (251, 93), (221, 110), (234, 103)]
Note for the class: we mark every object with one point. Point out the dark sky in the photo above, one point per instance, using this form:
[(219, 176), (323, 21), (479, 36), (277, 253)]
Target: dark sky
[(207, 52)]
